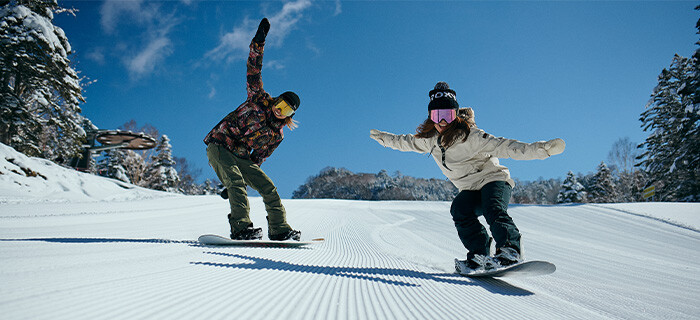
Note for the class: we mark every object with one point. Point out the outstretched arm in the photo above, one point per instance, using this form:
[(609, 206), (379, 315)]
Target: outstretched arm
[(513, 149), (255, 59), (406, 142)]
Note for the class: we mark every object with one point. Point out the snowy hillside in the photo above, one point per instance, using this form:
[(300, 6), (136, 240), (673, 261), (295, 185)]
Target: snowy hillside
[(113, 253), (25, 179)]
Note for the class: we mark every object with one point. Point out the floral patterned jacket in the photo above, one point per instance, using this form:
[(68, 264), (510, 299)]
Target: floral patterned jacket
[(251, 131)]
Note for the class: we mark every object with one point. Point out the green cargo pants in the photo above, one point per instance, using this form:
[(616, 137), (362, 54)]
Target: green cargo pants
[(235, 173)]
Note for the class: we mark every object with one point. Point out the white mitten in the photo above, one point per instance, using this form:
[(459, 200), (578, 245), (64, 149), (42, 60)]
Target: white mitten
[(376, 135), (554, 146)]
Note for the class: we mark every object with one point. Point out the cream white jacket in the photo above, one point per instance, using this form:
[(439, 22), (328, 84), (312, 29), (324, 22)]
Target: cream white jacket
[(469, 164)]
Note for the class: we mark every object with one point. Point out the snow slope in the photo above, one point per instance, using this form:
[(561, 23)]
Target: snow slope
[(26, 179), (139, 259), (133, 255)]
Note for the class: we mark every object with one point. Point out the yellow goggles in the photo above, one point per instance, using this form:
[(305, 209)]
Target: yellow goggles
[(284, 108)]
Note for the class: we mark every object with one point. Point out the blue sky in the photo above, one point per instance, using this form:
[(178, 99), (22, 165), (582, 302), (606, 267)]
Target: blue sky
[(581, 71)]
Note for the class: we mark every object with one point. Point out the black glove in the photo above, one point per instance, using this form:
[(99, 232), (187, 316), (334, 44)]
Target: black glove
[(263, 28)]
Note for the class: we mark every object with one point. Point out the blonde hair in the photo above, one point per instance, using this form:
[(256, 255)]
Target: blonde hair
[(291, 123)]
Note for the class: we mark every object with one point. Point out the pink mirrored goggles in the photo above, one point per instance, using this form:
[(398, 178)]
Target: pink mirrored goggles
[(437, 115)]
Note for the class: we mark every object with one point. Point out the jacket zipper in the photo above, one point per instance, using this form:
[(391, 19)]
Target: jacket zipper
[(443, 150)]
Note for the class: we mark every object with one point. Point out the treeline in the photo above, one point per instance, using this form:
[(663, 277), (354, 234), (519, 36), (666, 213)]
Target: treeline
[(340, 183), (603, 186)]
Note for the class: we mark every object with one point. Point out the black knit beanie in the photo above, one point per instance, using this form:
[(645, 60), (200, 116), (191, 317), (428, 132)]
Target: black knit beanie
[(442, 97), (292, 99)]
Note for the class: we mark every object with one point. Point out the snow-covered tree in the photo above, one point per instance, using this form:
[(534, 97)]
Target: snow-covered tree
[(629, 180), (603, 189), (62, 135), (188, 177), (672, 150), (522, 193), (162, 174), (124, 165), (629, 185), (210, 187), (112, 165), (637, 183), (134, 165), (536, 192), (40, 92), (571, 190)]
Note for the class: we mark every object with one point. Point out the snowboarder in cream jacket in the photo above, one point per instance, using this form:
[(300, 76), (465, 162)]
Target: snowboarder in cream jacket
[(468, 156)]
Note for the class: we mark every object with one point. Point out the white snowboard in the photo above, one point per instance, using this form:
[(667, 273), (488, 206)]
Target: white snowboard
[(217, 240), (523, 269)]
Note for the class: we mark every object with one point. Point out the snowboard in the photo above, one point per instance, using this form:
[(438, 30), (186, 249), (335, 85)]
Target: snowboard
[(522, 269), (217, 240)]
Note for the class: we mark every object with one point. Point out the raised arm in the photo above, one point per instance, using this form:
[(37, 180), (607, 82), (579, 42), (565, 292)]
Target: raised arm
[(255, 58)]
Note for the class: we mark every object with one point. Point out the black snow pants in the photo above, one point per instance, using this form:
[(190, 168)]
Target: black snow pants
[(491, 202)]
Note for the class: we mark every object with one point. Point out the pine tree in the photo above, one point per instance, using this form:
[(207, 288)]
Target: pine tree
[(638, 183), (571, 190), (63, 134), (603, 189), (40, 92), (210, 187), (162, 174), (536, 192), (112, 165), (672, 155), (522, 192)]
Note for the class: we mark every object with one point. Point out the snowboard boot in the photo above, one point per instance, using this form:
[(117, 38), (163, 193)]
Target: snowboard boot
[(289, 235), (507, 256), (249, 233), (477, 263)]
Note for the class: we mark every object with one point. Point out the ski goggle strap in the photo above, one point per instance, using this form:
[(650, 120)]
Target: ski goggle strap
[(437, 115), (284, 108)]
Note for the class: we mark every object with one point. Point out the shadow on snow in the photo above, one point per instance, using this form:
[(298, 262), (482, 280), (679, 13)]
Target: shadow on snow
[(192, 243), (381, 275), (391, 276), (103, 240)]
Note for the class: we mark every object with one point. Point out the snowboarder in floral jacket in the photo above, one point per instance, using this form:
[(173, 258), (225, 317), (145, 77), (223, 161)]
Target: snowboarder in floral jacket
[(468, 156), (240, 143)]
